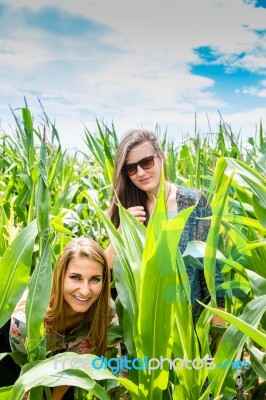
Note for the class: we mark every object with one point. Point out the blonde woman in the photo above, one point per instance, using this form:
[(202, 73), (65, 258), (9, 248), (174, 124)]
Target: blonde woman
[(78, 314)]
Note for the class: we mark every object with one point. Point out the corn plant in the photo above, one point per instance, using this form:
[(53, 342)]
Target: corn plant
[(49, 196), (136, 275)]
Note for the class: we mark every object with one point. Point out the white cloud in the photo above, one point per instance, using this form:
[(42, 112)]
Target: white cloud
[(166, 30), (138, 74), (259, 91), (253, 62), (179, 121)]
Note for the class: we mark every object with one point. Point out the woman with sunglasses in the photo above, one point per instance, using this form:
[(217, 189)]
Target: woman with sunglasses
[(136, 183)]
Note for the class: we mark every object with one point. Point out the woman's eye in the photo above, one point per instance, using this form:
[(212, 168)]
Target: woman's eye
[(75, 277), (96, 279)]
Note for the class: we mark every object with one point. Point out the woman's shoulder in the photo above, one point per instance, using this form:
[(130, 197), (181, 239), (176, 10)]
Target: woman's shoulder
[(189, 196), (18, 332)]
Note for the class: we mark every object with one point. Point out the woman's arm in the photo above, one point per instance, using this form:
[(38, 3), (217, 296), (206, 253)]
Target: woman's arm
[(58, 392), (218, 321), (109, 253)]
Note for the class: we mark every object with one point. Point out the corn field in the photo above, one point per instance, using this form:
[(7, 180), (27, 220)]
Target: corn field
[(50, 195)]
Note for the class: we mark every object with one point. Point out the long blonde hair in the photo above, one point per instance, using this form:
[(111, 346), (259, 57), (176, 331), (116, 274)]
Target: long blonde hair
[(128, 194), (96, 317)]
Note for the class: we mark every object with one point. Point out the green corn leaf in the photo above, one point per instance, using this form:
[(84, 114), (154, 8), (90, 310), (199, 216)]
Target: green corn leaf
[(257, 282), (60, 228), (197, 249), (179, 393), (37, 303), (243, 326), (160, 220), (241, 220), (5, 392), (66, 197), (40, 282), (259, 205), (245, 176), (67, 369), (28, 127), (132, 245), (229, 285), (235, 337), (56, 167), (219, 177), (257, 359), (128, 311), (256, 261), (185, 339), (117, 242), (42, 197), (124, 278), (218, 205), (3, 231), (233, 265), (159, 279), (95, 148), (25, 192), (15, 268)]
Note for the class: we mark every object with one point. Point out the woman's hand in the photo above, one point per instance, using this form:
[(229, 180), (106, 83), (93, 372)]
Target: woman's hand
[(138, 212)]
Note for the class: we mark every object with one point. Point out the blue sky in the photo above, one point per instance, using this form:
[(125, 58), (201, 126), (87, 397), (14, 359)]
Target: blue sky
[(134, 63)]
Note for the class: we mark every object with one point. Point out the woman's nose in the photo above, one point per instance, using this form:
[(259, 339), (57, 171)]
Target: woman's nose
[(85, 289), (140, 171)]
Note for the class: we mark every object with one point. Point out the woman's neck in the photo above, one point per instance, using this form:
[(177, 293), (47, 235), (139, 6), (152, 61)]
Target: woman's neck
[(153, 196), (73, 320)]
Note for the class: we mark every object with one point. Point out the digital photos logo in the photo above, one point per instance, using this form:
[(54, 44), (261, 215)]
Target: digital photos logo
[(115, 365)]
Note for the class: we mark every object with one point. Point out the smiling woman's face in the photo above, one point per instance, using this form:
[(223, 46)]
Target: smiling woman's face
[(147, 180), (83, 284)]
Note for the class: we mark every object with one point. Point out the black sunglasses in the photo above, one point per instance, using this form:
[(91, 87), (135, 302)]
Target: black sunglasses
[(144, 163)]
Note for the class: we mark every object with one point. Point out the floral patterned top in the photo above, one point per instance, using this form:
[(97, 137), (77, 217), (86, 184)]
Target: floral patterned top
[(76, 340)]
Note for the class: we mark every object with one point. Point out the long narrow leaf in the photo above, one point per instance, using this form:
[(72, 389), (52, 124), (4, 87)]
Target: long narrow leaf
[(15, 268), (234, 338)]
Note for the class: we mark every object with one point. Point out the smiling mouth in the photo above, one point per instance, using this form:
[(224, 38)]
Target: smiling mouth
[(144, 180), (81, 298)]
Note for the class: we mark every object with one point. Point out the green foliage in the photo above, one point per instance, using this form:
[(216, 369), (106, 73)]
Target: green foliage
[(15, 270), (49, 196)]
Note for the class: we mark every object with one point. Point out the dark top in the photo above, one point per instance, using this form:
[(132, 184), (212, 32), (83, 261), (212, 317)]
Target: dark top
[(197, 229)]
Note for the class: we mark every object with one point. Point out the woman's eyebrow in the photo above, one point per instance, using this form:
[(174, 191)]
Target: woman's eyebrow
[(75, 273), (142, 158)]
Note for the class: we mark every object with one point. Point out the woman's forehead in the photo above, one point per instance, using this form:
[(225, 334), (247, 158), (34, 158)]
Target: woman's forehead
[(140, 151)]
